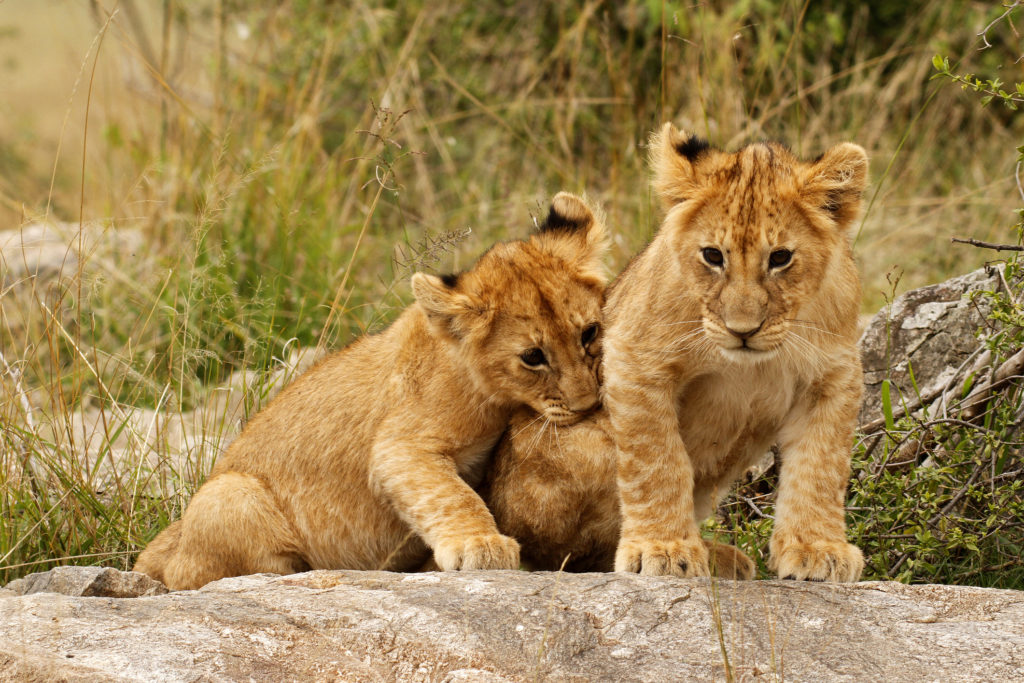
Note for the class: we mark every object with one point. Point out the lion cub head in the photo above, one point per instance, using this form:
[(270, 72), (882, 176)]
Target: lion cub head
[(526, 318), (760, 237)]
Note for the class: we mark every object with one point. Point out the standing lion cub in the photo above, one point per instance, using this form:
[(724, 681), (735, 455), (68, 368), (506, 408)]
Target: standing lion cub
[(389, 435), (734, 330)]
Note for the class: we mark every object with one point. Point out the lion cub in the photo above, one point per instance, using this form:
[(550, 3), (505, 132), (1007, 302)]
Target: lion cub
[(734, 330), (390, 434)]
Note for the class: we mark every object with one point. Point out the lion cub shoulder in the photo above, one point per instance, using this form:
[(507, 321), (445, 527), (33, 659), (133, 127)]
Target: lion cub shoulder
[(368, 461)]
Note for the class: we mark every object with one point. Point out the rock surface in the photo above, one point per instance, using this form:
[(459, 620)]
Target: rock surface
[(930, 331), (88, 582), (514, 626)]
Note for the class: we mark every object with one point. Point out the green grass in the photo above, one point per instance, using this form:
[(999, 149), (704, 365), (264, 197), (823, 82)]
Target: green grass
[(266, 178)]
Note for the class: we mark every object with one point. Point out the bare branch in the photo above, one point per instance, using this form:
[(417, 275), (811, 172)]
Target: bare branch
[(988, 245), (984, 32)]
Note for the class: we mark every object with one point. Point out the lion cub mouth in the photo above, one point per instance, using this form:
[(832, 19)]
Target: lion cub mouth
[(564, 418), (744, 353)]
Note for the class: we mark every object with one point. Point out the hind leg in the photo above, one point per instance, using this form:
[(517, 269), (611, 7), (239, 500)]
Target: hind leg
[(232, 526), (154, 558)]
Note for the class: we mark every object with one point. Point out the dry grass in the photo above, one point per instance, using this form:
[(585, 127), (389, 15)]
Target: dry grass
[(262, 178)]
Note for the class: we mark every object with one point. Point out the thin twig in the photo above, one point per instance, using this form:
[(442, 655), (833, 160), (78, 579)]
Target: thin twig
[(983, 34), (961, 492), (988, 245), (757, 510)]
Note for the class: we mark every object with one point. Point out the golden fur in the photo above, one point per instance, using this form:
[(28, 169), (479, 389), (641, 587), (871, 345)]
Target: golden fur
[(735, 329), (369, 458), (554, 489)]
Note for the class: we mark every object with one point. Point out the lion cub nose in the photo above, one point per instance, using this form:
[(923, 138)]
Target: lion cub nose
[(744, 332)]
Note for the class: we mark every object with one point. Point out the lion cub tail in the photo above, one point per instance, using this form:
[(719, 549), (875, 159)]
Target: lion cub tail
[(154, 559)]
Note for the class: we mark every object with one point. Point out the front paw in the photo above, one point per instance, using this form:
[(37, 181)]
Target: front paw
[(484, 551), (818, 560), (679, 557)]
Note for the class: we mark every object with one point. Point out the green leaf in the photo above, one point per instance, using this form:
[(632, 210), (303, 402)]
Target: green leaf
[(887, 405)]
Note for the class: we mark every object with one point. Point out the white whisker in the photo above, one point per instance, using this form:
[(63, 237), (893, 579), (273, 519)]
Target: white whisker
[(810, 325), (527, 425), (685, 342), (803, 349), (535, 441)]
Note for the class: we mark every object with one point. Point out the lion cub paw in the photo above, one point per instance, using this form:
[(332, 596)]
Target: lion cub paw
[(662, 558), (817, 561), (729, 562), (484, 551)]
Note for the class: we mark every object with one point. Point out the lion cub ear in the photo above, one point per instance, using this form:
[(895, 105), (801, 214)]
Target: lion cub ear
[(834, 182), (575, 234), (447, 308), (673, 157)]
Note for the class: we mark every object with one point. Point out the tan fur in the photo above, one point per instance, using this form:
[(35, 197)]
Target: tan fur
[(369, 458), (553, 488), (688, 407)]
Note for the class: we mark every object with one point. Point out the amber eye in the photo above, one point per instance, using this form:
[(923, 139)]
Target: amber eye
[(533, 357), (589, 334), (712, 256), (780, 258)]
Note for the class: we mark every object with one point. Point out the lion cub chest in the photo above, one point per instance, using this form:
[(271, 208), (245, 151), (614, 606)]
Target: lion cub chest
[(730, 417)]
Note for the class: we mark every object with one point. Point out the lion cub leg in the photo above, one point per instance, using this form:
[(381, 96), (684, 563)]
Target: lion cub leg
[(729, 562), (426, 490), (233, 526), (809, 540)]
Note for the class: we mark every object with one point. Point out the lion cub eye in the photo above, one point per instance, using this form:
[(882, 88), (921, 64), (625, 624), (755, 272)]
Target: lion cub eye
[(533, 357), (712, 256), (779, 258), (589, 334)]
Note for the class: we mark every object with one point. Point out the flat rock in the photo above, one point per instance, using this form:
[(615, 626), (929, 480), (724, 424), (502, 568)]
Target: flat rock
[(515, 626)]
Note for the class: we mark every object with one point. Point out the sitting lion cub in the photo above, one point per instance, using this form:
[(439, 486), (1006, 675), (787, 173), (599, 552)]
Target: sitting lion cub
[(388, 435), (734, 330)]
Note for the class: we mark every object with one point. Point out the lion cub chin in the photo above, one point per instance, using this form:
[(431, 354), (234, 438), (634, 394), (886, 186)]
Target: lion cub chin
[(734, 330), (368, 460)]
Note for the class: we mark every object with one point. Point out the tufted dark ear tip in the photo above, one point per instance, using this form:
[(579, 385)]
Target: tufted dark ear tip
[(692, 147), (568, 213)]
